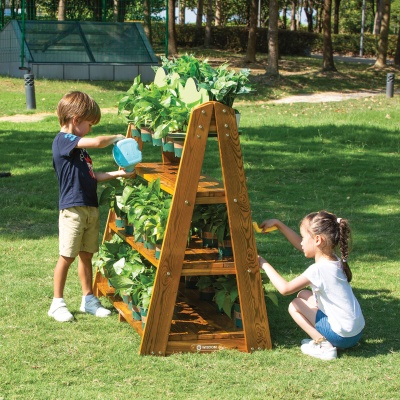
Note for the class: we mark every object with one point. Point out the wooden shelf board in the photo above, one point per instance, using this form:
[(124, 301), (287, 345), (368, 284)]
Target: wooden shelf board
[(209, 190), (198, 260)]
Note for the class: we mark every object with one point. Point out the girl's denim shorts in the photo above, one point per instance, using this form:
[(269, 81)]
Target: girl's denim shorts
[(323, 327)]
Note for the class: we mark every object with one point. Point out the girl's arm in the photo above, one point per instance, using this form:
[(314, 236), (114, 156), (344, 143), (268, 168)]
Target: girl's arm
[(290, 234), (106, 176), (98, 142), (284, 287)]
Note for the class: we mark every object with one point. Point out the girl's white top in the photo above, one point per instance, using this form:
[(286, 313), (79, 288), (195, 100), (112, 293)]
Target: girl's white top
[(335, 297)]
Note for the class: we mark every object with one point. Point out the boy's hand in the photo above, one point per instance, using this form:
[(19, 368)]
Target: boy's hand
[(117, 138), (128, 174)]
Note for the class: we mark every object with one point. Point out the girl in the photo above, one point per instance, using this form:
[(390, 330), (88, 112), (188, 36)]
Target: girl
[(330, 314)]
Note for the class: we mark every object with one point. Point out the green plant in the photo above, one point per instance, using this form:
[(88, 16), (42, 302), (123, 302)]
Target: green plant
[(212, 218), (143, 287), (179, 85), (226, 293), (119, 263), (115, 194)]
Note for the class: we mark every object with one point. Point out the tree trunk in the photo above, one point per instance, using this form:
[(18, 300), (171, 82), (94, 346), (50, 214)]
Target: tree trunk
[(384, 36), (199, 16), (218, 13), (31, 9), (336, 17), (378, 17), (172, 49), (273, 48), (397, 54), (251, 42), (293, 16), (61, 10), (284, 17), (308, 9), (327, 63), (147, 20), (210, 16), (182, 8)]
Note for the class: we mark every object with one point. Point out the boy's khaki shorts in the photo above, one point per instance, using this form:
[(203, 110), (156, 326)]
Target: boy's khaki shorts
[(79, 229)]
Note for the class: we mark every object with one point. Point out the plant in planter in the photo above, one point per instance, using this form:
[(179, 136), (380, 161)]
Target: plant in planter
[(226, 293), (113, 196), (179, 85), (143, 289)]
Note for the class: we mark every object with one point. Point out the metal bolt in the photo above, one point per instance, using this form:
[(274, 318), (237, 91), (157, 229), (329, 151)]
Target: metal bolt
[(160, 353), (227, 134), (203, 111), (235, 200), (252, 349), (226, 126), (249, 271), (152, 353), (168, 273), (259, 348), (187, 202), (198, 136), (200, 126), (224, 111)]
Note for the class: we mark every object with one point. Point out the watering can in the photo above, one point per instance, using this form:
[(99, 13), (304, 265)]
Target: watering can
[(126, 154)]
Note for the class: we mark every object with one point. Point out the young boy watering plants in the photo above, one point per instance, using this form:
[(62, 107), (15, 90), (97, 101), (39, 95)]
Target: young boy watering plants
[(330, 314), (78, 204)]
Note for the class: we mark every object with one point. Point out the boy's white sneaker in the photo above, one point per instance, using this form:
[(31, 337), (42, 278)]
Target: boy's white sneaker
[(59, 311), (92, 305), (322, 350), (305, 341)]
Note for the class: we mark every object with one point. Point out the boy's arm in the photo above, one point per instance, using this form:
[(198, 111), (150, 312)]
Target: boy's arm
[(98, 142), (106, 176), (290, 234)]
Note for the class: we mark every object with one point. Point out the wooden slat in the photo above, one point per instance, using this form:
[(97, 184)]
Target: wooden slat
[(204, 346), (209, 190), (155, 337), (251, 294)]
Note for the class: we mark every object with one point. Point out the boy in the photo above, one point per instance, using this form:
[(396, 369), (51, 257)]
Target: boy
[(79, 213)]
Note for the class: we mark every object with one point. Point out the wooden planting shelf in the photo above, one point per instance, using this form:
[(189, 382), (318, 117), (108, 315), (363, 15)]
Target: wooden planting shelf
[(177, 320)]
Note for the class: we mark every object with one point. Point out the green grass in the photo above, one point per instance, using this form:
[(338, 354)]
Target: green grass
[(341, 156)]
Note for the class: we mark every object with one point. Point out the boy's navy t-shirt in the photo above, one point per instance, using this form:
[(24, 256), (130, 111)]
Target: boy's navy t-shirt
[(76, 180)]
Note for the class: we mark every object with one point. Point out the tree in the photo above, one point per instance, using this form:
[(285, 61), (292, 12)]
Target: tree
[(210, 16), (327, 61), (172, 49), (199, 16), (251, 42), (273, 47), (147, 19), (308, 10), (293, 25), (61, 10), (182, 8), (383, 36), (336, 17)]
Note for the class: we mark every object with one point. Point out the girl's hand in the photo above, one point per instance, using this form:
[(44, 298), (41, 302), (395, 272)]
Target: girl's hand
[(261, 261), (128, 174), (268, 224)]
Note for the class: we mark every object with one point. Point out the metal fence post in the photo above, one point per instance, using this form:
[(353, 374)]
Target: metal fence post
[(30, 91)]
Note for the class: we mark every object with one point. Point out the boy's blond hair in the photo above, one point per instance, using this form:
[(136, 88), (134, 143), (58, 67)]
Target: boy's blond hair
[(78, 105)]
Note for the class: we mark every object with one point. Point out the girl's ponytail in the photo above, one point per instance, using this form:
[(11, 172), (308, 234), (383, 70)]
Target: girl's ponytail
[(344, 238)]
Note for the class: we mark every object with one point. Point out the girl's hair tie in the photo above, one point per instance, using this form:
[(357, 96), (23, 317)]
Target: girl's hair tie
[(344, 260), (338, 220)]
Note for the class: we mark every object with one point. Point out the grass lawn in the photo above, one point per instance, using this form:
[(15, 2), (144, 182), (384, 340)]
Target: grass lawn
[(301, 157)]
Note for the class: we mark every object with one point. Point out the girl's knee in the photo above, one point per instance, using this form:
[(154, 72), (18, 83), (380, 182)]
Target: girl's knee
[(304, 294)]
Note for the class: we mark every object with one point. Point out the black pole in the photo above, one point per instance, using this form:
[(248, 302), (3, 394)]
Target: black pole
[(390, 85), (30, 91)]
